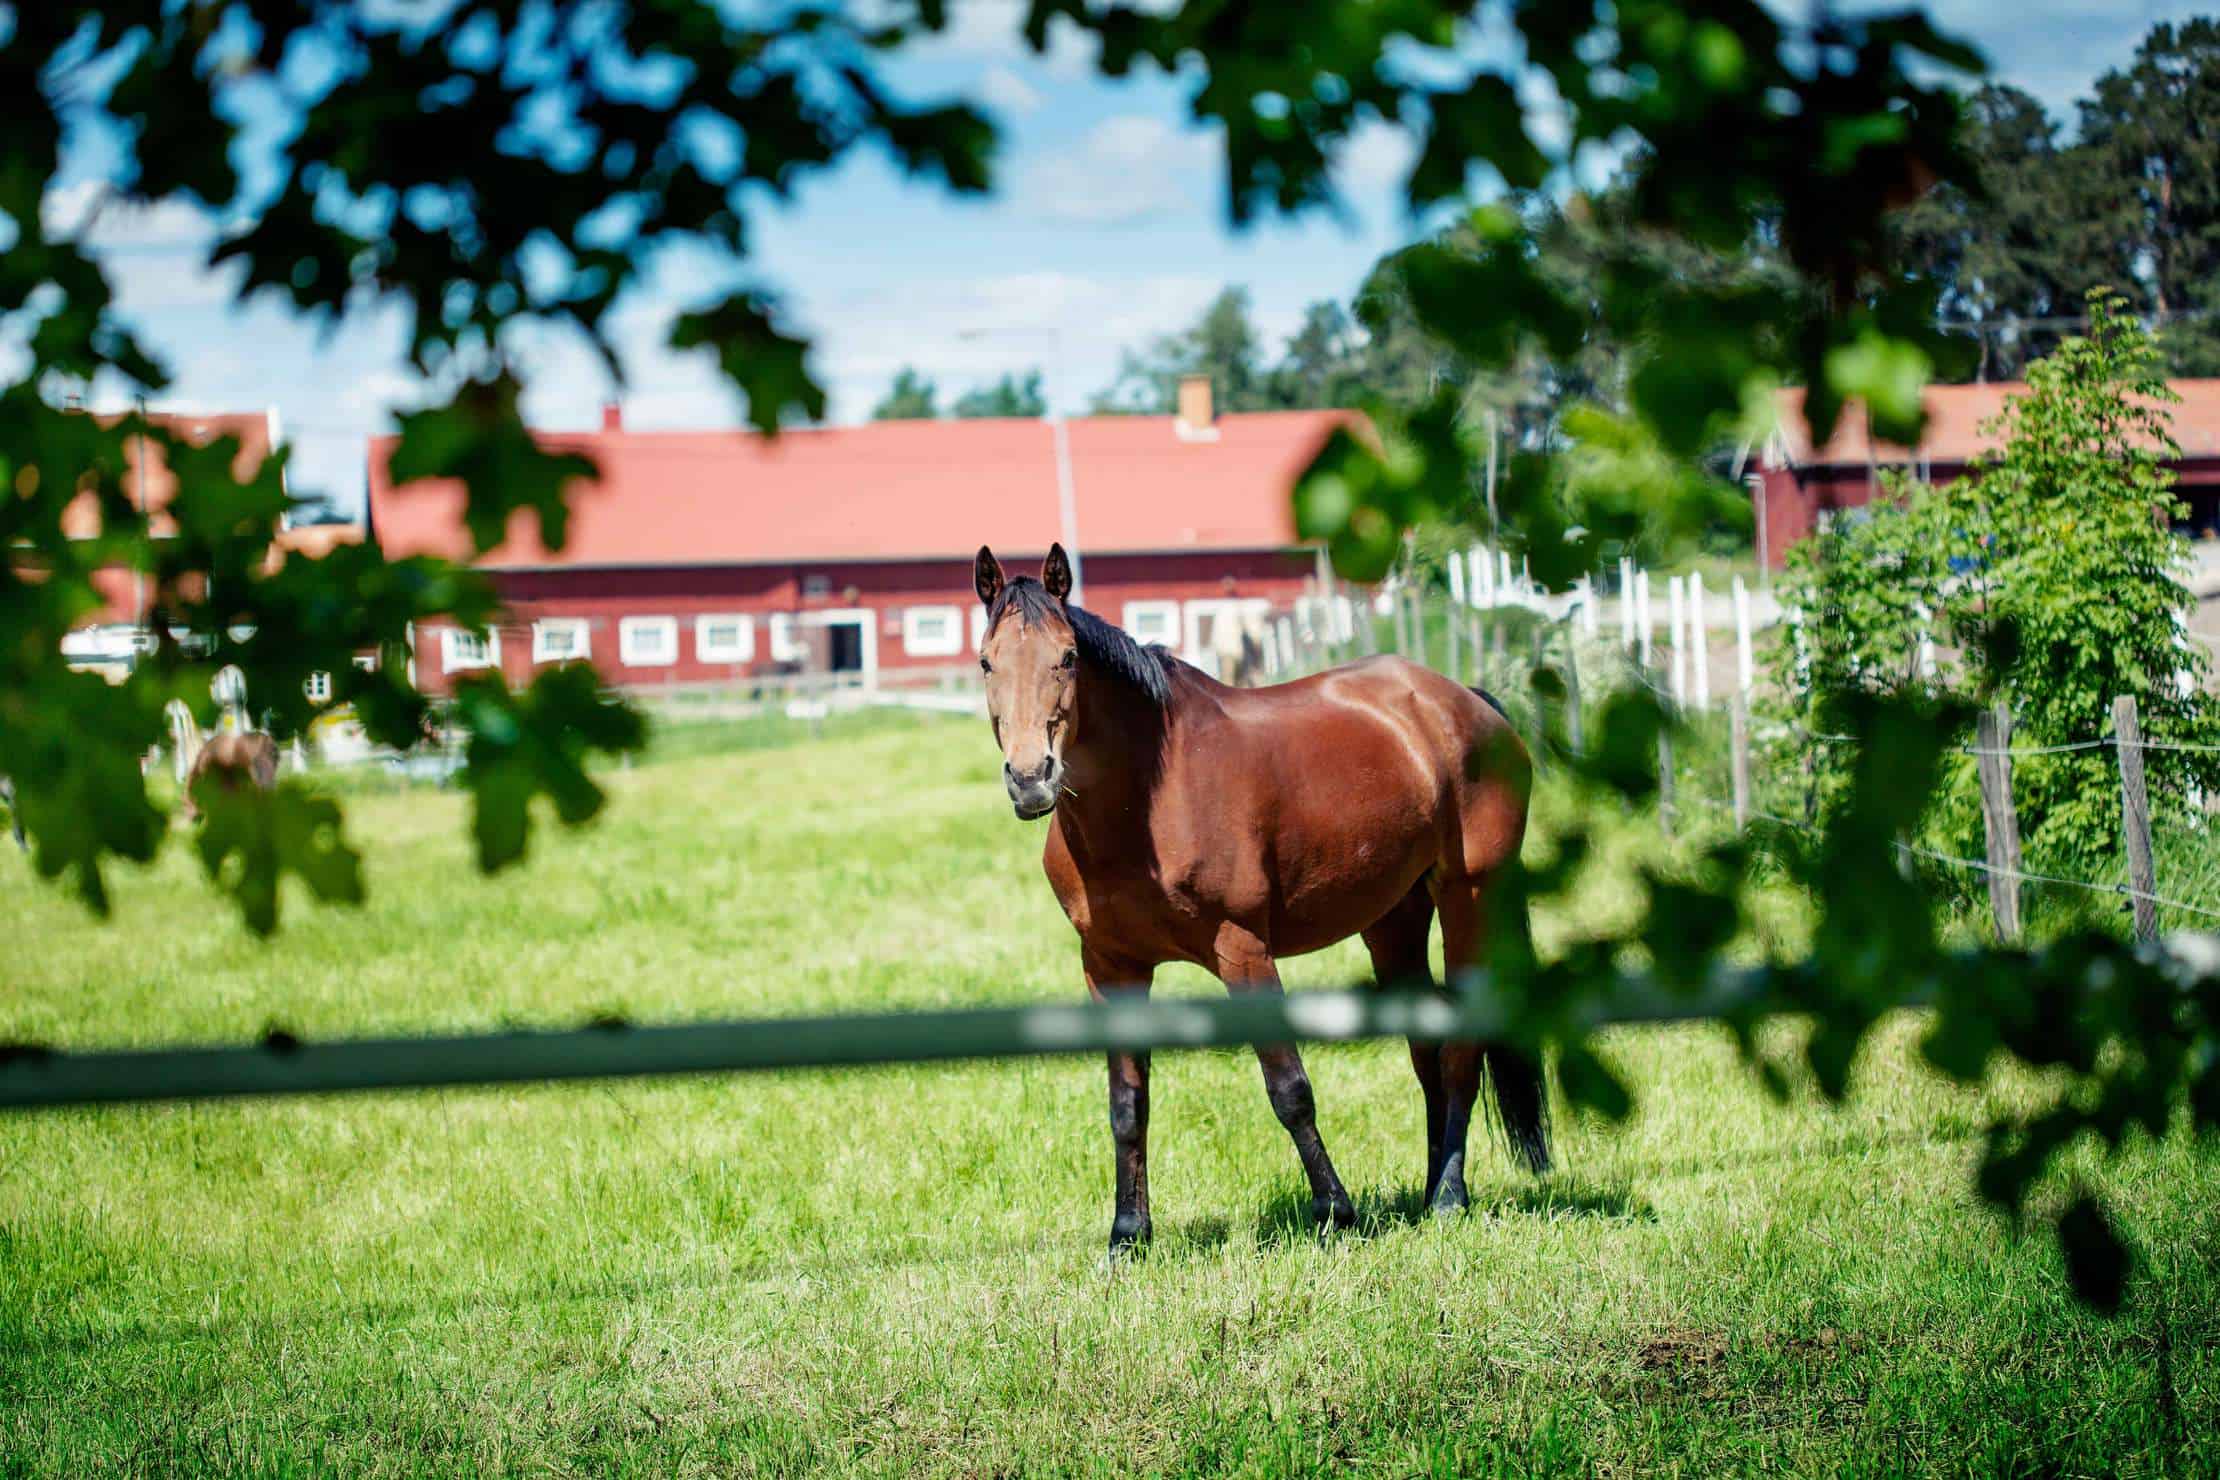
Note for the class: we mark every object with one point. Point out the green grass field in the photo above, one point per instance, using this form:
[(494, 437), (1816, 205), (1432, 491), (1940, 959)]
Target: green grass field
[(902, 1271)]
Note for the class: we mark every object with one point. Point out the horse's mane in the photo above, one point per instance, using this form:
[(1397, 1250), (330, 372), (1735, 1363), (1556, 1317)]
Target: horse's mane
[(1107, 647)]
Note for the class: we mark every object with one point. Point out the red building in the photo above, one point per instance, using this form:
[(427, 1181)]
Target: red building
[(1795, 485), (709, 557)]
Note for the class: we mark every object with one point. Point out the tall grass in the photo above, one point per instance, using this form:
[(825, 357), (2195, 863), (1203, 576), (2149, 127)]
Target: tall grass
[(900, 1271)]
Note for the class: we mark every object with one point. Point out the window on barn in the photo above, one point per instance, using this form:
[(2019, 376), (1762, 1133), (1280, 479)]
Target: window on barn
[(459, 649), (367, 662), (786, 647), (560, 640), (817, 585), (933, 631), (1152, 621), (648, 642), (318, 688), (724, 639)]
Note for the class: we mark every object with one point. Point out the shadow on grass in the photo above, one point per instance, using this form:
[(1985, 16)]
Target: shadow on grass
[(1285, 1218)]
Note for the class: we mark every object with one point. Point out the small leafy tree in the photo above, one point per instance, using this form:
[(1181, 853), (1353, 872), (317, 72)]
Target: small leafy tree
[(2053, 571)]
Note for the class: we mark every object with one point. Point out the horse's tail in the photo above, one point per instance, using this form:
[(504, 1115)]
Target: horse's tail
[(1493, 702), (1521, 1103)]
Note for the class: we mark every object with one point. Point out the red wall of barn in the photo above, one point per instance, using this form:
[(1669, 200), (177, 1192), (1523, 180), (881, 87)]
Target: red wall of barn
[(884, 589)]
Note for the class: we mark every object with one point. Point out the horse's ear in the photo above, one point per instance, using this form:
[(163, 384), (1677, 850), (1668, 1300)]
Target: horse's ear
[(986, 574), (1056, 572)]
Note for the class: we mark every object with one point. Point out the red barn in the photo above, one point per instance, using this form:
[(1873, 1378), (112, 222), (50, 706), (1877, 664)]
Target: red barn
[(709, 557), (1795, 485)]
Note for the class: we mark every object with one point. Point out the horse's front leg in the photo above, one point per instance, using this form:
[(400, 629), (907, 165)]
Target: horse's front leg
[(1244, 965), (1129, 1106)]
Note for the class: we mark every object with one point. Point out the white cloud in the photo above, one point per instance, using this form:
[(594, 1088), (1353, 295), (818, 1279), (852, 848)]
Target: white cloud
[(92, 211), (1375, 161), (995, 29), (964, 331), (1128, 168), (1006, 92)]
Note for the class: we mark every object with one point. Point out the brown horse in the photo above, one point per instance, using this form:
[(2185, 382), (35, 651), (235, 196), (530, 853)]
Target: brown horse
[(1229, 827), (228, 763)]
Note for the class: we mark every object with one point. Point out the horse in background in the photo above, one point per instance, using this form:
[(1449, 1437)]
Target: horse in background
[(234, 758), (1190, 820)]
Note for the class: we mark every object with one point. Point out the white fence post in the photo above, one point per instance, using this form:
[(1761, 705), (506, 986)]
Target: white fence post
[(1699, 641), (1745, 674), (1456, 581), (1642, 619), (1676, 603)]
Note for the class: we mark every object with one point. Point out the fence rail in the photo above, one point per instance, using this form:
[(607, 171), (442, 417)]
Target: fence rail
[(34, 1078)]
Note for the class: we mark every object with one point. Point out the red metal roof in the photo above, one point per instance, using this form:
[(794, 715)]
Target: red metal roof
[(896, 490), (1956, 415)]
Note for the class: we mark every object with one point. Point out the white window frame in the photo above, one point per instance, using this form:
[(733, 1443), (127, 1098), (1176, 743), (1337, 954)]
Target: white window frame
[(786, 639), (318, 688), (1165, 612), (367, 662), (918, 645), (740, 650), (631, 631), (455, 655), (978, 626), (577, 627)]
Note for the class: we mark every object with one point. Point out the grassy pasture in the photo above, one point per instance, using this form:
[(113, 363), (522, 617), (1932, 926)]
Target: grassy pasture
[(901, 1270)]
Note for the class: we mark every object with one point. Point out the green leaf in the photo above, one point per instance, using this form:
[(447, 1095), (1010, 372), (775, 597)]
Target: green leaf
[(767, 367), (250, 839), (533, 743), (480, 439)]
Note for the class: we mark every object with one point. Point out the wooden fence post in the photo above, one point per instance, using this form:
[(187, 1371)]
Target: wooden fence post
[(2000, 824), (1738, 727), (2135, 816)]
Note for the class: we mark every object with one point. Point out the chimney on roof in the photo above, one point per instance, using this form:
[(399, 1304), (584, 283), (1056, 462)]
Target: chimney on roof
[(1196, 419), (612, 416)]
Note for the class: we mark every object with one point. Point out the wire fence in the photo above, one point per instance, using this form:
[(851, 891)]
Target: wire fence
[(35, 1076)]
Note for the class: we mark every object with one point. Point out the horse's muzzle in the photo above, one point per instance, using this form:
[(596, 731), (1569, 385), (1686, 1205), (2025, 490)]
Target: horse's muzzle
[(1033, 793)]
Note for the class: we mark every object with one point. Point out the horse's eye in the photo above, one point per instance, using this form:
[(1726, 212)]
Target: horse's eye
[(1071, 658), (985, 666)]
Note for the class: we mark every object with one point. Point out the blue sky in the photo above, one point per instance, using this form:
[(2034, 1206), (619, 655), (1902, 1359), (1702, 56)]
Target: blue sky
[(1108, 228)]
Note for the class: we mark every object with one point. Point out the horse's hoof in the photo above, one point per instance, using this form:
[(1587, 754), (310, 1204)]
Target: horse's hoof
[(1448, 1201), (1333, 1214), (1128, 1236)]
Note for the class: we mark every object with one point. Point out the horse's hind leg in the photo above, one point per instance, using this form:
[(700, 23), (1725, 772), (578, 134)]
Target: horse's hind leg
[(1397, 943), (1245, 965), (1519, 1092)]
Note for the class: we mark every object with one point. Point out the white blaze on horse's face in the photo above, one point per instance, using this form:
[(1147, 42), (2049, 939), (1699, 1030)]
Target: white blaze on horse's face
[(1031, 663)]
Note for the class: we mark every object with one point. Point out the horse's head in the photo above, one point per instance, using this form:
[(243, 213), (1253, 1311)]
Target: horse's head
[(1030, 656)]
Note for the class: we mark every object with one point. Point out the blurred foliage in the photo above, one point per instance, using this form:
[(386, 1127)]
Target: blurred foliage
[(485, 166)]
